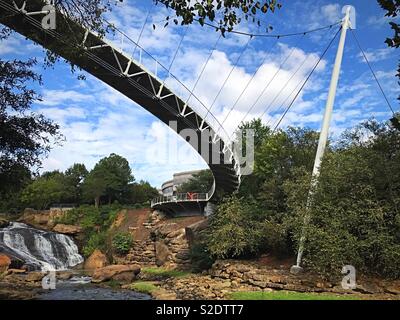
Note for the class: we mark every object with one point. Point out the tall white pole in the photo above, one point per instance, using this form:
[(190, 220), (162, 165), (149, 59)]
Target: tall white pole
[(323, 138)]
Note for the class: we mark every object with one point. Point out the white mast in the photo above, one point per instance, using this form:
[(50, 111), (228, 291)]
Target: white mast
[(348, 22)]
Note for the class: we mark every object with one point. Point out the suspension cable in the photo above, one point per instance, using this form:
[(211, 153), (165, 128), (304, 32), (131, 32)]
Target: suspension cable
[(307, 79), (268, 35), (372, 71), (248, 83), (228, 77), (141, 32), (271, 80), (177, 49), (204, 68)]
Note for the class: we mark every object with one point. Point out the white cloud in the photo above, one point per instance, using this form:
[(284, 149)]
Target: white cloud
[(376, 55), (61, 97)]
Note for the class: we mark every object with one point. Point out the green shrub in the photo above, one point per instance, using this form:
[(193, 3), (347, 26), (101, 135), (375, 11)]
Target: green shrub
[(122, 242), (200, 257), (95, 241), (235, 229)]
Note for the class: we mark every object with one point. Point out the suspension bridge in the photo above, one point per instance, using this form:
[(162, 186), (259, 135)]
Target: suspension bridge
[(130, 75)]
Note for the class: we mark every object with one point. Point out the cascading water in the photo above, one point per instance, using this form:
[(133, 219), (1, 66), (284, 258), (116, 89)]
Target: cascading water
[(39, 249)]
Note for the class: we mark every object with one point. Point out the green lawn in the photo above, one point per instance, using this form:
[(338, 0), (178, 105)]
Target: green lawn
[(287, 295), (165, 273), (143, 286)]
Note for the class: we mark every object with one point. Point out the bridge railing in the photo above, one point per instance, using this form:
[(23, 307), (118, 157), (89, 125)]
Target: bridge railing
[(180, 197)]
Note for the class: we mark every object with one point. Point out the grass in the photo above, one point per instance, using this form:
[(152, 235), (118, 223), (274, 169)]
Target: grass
[(286, 295), (113, 284), (143, 287), (164, 273)]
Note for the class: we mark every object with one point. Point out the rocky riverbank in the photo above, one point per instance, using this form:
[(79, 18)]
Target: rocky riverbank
[(232, 276)]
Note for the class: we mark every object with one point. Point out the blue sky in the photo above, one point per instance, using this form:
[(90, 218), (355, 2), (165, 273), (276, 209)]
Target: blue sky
[(96, 120)]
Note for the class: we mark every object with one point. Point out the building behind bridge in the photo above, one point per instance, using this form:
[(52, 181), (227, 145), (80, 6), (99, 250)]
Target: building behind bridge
[(170, 187)]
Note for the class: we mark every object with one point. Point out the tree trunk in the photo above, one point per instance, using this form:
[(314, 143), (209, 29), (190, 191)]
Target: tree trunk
[(109, 200), (96, 202)]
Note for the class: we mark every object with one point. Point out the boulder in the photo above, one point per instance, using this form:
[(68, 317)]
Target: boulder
[(35, 276), (67, 229), (116, 272), (5, 262), (162, 253), (166, 228), (16, 271), (193, 231), (96, 260), (3, 223)]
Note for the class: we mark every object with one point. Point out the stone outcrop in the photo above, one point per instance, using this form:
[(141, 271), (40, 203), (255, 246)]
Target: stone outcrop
[(67, 229), (166, 245), (125, 273), (5, 262), (193, 232), (35, 276), (263, 277), (202, 287), (45, 219), (96, 260), (3, 223), (171, 247), (142, 253)]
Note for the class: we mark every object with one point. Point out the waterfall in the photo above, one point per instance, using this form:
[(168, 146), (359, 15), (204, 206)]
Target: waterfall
[(39, 249)]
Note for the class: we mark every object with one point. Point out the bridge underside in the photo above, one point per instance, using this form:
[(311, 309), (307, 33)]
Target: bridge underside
[(182, 208), (99, 58)]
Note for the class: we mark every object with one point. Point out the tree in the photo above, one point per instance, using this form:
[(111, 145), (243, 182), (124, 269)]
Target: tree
[(226, 14), (46, 189), (141, 192), (110, 177), (24, 137), (392, 8), (74, 177), (200, 182), (94, 186), (355, 215)]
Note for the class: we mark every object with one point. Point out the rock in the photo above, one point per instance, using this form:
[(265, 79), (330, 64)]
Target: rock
[(112, 272), (4, 223), (64, 275), (5, 262), (166, 228), (393, 289), (162, 253), (192, 231), (35, 276), (368, 287), (67, 229), (162, 294), (96, 260), (16, 271)]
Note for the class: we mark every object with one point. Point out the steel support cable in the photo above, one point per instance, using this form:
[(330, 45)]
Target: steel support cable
[(372, 71), (305, 82), (268, 35), (204, 68), (269, 82), (177, 49), (248, 83), (228, 77), (307, 79), (285, 86), (141, 32), (287, 83)]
